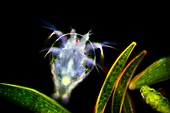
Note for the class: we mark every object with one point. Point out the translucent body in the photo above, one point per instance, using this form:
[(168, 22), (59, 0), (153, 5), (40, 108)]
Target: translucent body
[(72, 61)]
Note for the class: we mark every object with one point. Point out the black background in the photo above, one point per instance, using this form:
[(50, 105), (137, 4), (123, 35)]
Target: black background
[(22, 38)]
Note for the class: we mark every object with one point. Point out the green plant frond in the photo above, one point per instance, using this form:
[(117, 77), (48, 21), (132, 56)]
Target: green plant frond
[(128, 106), (123, 81), (111, 78), (157, 72), (30, 99)]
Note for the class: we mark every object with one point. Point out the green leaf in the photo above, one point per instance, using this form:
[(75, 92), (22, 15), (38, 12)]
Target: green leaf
[(156, 72), (123, 81), (111, 77), (30, 99), (128, 106)]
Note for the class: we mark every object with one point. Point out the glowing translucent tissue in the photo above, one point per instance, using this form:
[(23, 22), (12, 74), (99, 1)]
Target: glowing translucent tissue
[(72, 59)]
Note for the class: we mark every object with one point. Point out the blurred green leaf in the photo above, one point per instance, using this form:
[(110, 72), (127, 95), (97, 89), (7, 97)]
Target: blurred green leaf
[(30, 99), (156, 72), (123, 81), (128, 106), (111, 77)]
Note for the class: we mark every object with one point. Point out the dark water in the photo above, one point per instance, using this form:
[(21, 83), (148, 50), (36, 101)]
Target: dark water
[(22, 37)]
